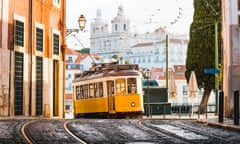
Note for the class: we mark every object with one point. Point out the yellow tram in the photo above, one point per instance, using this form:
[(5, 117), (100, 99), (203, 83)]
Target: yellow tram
[(109, 91)]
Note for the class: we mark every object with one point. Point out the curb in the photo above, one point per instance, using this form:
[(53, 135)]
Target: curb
[(221, 125)]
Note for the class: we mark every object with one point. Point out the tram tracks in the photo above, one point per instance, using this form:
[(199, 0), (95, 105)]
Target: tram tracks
[(48, 131), (85, 131), (26, 133), (188, 133), (206, 133), (167, 135), (71, 133)]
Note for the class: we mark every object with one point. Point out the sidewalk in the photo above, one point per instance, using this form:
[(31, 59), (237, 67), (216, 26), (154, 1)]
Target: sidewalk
[(228, 123), (209, 119)]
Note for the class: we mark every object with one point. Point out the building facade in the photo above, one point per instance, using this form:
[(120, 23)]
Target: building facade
[(153, 54), (116, 42), (32, 57), (148, 50), (231, 50)]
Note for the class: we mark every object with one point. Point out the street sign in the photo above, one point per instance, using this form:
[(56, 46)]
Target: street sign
[(211, 71)]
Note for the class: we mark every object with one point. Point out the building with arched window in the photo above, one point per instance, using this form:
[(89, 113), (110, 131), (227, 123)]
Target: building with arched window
[(147, 50), (112, 43), (32, 57)]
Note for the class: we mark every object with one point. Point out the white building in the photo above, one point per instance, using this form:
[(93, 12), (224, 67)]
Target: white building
[(116, 42), (148, 50), (231, 50), (153, 54)]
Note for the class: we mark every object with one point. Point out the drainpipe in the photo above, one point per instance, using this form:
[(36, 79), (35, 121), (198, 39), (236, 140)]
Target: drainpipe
[(64, 46), (11, 47), (167, 64), (10, 69), (30, 49)]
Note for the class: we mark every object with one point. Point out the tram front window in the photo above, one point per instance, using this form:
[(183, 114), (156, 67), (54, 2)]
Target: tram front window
[(132, 86), (120, 86)]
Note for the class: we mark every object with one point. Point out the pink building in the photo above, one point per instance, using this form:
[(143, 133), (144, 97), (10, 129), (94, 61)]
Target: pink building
[(231, 52)]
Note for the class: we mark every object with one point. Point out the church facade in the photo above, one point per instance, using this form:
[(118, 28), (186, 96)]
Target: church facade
[(112, 43), (148, 50)]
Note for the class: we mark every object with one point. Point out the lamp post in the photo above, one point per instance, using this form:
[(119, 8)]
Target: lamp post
[(81, 23), (148, 105)]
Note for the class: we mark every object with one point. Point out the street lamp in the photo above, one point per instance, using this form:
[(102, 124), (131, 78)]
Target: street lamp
[(148, 76), (81, 23)]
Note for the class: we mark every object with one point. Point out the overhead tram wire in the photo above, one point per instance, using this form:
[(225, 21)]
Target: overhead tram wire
[(84, 47)]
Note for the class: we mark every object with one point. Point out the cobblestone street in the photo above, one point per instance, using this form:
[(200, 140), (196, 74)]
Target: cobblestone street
[(154, 130)]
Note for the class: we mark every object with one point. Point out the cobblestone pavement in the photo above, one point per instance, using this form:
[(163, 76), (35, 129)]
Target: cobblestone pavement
[(118, 131), (209, 119), (10, 131), (151, 131), (47, 131), (148, 130)]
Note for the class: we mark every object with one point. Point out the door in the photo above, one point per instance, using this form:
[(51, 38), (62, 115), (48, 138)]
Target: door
[(110, 94), (55, 88)]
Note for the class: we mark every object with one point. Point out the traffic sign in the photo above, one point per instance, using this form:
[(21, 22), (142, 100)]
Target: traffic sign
[(211, 71)]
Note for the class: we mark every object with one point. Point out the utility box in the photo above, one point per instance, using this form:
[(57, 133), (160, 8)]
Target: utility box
[(156, 101)]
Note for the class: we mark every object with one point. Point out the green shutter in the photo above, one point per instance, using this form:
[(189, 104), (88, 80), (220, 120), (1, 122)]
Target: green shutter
[(39, 85), (18, 84)]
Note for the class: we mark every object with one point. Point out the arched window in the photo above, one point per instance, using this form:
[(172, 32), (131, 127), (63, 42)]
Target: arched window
[(124, 27), (116, 28)]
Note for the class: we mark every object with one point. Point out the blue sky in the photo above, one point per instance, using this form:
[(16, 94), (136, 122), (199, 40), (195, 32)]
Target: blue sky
[(144, 15)]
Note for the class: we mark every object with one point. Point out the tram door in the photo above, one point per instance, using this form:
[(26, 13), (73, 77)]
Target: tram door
[(18, 84), (55, 87), (110, 92)]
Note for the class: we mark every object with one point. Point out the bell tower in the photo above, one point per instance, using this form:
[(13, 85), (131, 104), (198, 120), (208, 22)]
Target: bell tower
[(120, 24), (99, 26)]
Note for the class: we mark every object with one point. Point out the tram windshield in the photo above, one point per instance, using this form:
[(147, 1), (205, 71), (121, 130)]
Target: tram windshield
[(132, 85)]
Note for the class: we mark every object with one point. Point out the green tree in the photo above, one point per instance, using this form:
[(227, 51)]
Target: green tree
[(201, 47), (84, 51), (115, 56)]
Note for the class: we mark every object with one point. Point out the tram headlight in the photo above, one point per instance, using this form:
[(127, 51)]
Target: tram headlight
[(133, 104)]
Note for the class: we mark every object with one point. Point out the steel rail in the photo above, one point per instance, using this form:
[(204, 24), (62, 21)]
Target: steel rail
[(71, 133)]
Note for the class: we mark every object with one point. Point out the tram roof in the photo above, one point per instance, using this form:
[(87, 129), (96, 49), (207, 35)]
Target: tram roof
[(106, 70)]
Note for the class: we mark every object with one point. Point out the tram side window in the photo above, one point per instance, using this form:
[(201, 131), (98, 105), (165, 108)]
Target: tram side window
[(100, 84), (132, 85), (91, 90), (81, 92), (85, 91), (96, 91), (78, 92), (120, 86)]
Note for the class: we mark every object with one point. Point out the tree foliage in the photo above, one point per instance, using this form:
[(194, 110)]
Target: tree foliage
[(84, 51), (201, 47)]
